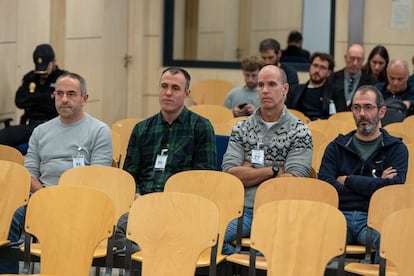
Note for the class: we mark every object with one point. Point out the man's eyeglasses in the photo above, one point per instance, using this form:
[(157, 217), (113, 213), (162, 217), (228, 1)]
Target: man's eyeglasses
[(69, 94), (366, 108)]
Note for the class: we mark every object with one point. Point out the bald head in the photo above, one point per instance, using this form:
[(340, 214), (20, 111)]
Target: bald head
[(397, 76), (354, 58)]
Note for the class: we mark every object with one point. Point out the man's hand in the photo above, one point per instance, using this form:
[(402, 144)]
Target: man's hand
[(389, 172), (341, 179), (35, 184)]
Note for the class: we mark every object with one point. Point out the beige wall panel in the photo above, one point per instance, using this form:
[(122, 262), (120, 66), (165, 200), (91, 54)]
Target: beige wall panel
[(152, 105), (85, 57), (210, 47), (8, 82), (154, 17), (85, 18), (341, 21), (114, 93), (8, 21)]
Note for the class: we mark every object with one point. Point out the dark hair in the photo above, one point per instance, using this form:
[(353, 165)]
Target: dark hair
[(294, 36), (324, 57), (382, 51), (75, 76), (177, 70), (269, 44), (252, 64), (379, 99)]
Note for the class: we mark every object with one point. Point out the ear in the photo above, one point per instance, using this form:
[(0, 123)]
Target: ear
[(382, 111), (187, 92)]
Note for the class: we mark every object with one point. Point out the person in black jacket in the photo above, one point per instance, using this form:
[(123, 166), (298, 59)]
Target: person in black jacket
[(317, 98), (35, 97), (351, 77), (359, 163)]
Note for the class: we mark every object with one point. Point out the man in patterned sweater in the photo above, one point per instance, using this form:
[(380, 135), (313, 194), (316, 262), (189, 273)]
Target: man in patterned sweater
[(270, 143)]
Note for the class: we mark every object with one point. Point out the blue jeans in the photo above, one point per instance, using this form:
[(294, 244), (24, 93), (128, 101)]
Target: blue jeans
[(231, 232), (356, 222), (16, 229)]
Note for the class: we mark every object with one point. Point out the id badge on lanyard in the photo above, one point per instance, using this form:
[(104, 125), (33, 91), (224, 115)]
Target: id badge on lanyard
[(161, 160)]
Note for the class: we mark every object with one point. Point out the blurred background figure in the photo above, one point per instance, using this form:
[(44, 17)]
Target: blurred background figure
[(294, 51), (377, 63)]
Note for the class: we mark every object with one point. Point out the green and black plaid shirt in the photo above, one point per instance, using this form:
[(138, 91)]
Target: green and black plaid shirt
[(190, 142)]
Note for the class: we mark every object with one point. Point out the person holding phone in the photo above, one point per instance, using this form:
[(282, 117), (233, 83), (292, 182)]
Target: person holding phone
[(243, 101)]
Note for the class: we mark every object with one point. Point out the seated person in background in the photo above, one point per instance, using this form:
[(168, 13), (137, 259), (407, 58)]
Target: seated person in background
[(270, 143), (270, 52), (35, 97), (244, 100), (294, 51), (351, 77), (316, 97), (72, 139), (397, 85), (363, 161), (377, 63)]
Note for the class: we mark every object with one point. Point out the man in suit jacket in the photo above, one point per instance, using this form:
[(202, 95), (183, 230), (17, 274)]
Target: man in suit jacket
[(314, 97), (351, 77)]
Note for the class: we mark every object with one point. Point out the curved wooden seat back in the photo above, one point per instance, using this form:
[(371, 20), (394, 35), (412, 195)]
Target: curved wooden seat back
[(62, 218), (298, 188), (172, 230), (11, 154), (298, 237), (224, 189), (124, 128), (14, 193), (216, 114)]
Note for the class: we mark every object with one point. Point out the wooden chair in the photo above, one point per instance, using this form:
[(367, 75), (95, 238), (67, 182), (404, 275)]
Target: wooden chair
[(217, 114), (397, 242), (297, 237), (224, 189), (64, 217), (225, 128), (116, 183), (116, 148), (320, 140), (343, 116), (172, 230), (286, 188), (400, 129), (124, 128), (11, 154), (15, 189), (213, 91), (299, 114), (383, 202), (332, 128)]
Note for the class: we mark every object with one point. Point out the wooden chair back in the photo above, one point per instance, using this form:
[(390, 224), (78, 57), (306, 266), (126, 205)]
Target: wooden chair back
[(211, 91), (298, 188), (383, 202), (343, 116), (62, 218), (116, 148), (11, 154), (15, 189), (224, 189), (217, 114), (297, 237), (299, 114), (399, 129), (124, 128), (118, 184), (172, 230), (397, 241), (332, 128), (225, 128), (320, 141)]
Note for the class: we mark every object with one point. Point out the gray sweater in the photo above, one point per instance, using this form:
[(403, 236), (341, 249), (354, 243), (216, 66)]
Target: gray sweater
[(53, 145), (287, 143)]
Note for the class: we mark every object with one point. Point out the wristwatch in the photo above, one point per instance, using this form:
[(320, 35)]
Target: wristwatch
[(275, 170)]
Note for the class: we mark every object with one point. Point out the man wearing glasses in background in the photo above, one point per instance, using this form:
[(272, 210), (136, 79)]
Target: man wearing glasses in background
[(363, 161), (317, 98)]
